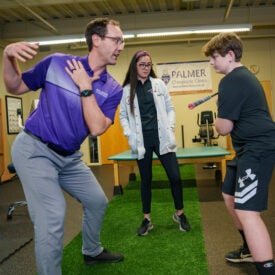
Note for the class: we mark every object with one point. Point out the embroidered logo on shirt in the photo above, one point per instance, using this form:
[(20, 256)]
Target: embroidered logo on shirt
[(248, 186), (102, 93)]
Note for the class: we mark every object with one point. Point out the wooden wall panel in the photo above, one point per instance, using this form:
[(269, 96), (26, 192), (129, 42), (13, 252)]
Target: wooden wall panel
[(4, 173), (113, 141)]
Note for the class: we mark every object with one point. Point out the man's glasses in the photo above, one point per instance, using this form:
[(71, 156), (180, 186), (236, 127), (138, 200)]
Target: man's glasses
[(144, 65), (117, 40)]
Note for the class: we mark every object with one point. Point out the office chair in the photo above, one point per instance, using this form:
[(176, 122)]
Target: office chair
[(206, 122), (15, 204)]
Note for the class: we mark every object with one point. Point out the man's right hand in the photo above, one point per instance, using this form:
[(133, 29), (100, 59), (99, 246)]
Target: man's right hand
[(21, 51)]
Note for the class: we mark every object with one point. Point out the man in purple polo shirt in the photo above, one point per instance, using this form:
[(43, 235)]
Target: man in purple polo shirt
[(78, 98)]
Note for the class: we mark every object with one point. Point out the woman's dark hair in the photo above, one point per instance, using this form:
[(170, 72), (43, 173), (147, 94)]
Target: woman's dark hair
[(98, 26), (131, 76)]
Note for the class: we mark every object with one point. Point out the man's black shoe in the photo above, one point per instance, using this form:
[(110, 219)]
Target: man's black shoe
[(104, 257)]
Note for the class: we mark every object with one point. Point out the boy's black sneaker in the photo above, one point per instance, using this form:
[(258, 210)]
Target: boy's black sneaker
[(104, 257), (182, 221), (241, 255), (146, 226)]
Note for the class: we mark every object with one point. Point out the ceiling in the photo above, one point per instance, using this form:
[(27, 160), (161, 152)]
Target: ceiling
[(33, 19)]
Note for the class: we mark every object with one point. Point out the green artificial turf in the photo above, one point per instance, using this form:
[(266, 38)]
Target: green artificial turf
[(165, 250)]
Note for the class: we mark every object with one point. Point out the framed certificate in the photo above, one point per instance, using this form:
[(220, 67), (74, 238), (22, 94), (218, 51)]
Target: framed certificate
[(13, 110)]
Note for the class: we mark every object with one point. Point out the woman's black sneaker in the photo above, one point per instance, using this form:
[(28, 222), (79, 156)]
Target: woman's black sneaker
[(182, 221), (146, 226)]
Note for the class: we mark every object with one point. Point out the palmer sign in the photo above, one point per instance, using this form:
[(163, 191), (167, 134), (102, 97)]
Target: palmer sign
[(184, 77)]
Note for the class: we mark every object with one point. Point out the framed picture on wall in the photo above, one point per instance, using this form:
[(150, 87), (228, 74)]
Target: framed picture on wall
[(14, 108)]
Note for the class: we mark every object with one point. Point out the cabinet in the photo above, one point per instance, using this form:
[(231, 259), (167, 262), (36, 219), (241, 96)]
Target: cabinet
[(113, 141), (5, 175)]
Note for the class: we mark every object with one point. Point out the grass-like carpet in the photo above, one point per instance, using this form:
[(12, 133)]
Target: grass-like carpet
[(165, 250)]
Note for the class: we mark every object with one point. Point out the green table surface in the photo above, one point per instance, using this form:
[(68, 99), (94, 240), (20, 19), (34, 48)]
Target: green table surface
[(196, 152)]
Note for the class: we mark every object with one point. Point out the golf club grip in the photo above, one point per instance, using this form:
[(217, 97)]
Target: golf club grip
[(200, 101)]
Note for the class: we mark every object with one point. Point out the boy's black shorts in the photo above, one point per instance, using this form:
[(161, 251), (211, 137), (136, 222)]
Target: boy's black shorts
[(247, 179)]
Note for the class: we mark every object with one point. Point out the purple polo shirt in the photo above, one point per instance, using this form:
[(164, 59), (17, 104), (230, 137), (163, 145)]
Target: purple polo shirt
[(59, 118)]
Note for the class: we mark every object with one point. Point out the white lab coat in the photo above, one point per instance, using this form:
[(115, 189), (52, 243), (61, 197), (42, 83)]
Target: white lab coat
[(131, 123)]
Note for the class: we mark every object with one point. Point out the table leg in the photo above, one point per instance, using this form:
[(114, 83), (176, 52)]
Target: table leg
[(223, 168), (117, 188), (132, 175)]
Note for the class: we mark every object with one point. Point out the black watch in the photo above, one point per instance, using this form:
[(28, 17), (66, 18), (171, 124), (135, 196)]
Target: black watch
[(86, 93)]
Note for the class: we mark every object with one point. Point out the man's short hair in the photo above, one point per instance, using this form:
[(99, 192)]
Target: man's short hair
[(98, 26)]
